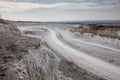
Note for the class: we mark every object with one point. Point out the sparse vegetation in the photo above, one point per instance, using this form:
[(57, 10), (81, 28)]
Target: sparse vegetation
[(2, 21), (37, 45), (109, 30), (15, 48)]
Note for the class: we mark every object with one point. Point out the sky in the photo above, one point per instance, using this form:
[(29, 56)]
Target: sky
[(60, 10)]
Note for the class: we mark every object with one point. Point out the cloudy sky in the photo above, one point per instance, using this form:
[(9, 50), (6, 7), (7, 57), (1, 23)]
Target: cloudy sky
[(60, 10)]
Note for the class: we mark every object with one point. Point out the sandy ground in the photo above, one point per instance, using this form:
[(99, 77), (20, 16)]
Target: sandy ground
[(70, 69), (104, 52)]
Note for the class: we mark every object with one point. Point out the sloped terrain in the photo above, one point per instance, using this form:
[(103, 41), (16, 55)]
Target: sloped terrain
[(37, 57), (21, 58), (104, 30)]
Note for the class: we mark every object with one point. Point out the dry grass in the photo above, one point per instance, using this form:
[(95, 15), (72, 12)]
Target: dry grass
[(2, 21), (15, 48)]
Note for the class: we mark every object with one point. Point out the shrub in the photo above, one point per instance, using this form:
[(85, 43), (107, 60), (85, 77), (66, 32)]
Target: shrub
[(3, 21), (37, 45)]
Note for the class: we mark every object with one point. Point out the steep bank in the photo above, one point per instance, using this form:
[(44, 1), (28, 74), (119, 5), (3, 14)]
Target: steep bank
[(103, 30), (22, 58)]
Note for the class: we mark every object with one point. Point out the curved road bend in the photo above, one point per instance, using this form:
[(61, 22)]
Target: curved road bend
[(92, 64), (89, 63)]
